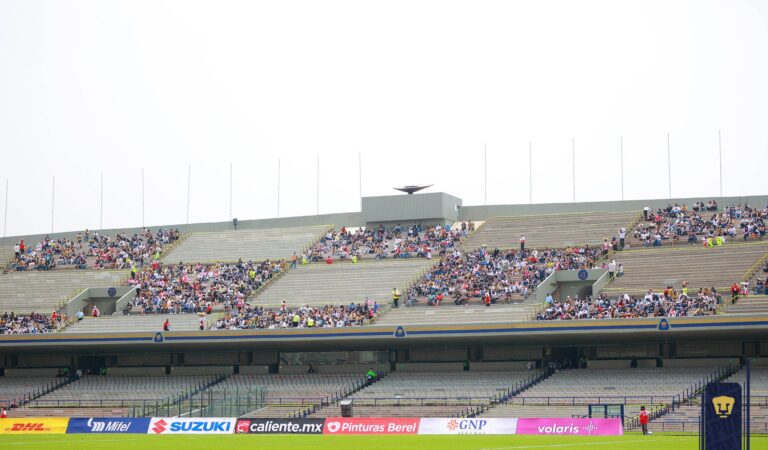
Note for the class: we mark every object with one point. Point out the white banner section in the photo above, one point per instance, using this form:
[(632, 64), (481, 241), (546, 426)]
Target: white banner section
[(468, 426)]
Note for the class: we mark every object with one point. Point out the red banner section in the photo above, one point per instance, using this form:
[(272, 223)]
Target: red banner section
[(372, 425)]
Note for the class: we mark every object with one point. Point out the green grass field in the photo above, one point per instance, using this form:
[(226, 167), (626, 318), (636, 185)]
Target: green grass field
[(658, 441)]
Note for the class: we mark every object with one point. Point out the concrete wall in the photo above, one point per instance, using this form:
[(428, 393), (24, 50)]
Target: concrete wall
[(567, 283), (431, 367), (136, 371), (701, 362), (100, 297), (359, 369), (497, 366), (202, 370), (424, 208)]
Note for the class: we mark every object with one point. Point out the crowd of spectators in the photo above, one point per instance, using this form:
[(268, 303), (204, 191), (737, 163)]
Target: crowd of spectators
[(497, 276), (195, 288), (33, 323), (700, 223), (669, 303), (251, 317), (123, 251), (382, 242), (111, 252)]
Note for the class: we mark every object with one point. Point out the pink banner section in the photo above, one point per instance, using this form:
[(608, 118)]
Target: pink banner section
[(571, 427)]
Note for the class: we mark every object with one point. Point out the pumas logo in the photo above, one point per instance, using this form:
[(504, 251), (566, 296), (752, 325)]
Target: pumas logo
[(160, 426), (723, 406), (333, 426), (28, 426)]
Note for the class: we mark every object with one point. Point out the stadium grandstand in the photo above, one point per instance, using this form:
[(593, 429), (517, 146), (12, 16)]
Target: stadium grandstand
[(506, 311)]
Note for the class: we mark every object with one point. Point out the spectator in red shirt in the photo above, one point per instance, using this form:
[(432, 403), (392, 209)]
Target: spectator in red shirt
[(644, 417), (167, 325)]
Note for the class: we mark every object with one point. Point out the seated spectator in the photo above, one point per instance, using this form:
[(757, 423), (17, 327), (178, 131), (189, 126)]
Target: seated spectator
[(34, 323), (258, 317), (502, 275), (667, 304), (195, 288)]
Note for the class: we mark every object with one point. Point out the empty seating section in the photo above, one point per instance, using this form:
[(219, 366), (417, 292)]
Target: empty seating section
[(751, 304), (17, 390), (395, 411), (550, 230), (253, 245), (68, 412), (702, 267), (536, 411), (287, 394), (45, 291), (435, 394), (341, 283), (426, 315), (656, 386), (121, 391), (134, 322)]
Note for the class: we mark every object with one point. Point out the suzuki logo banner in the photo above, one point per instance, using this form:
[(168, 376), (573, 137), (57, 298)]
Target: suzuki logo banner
[(722, 416), (170, 425)]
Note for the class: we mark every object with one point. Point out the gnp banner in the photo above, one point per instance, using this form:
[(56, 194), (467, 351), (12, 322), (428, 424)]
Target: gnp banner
[(571, 427), (208, 425), (467, 426), (722, 416), (34, 425), (371, 425), (280, 426), (108, 425)]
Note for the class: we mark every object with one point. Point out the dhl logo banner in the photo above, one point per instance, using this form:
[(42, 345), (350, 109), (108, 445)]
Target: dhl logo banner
[(34, 425)]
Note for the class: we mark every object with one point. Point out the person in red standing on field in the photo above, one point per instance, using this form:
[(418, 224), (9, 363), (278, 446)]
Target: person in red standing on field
[(644, 417), (167, 325)]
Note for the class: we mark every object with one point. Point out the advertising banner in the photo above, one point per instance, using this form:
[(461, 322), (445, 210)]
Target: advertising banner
[(209, 425), (467, 426), (371, 425), (108, 425), (34, 425), (280, 426), (721, 408), (571, 427)]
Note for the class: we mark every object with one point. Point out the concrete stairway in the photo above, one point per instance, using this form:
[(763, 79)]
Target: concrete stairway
[(452, 314), (342, 283), (255, 245), (550, 230), (134, 322), (6, 255), (44, 291), (751, 304), (657, 268)]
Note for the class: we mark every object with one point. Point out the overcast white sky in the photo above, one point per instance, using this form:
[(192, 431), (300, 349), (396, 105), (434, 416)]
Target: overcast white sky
[(417, 87)]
